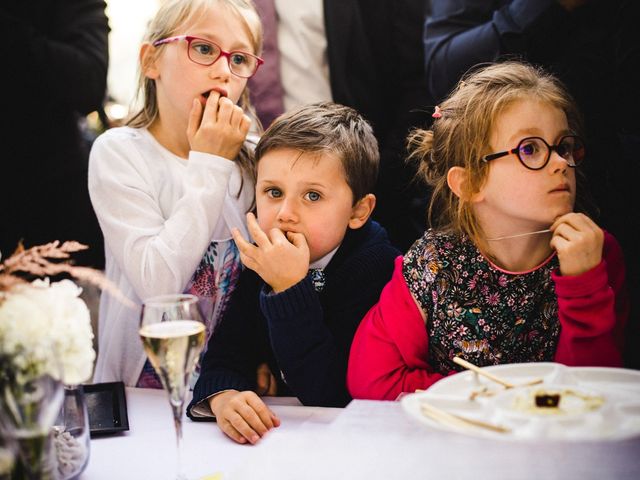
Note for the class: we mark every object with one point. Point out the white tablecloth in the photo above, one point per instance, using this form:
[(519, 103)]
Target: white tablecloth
[(367, 440), (147, 450)]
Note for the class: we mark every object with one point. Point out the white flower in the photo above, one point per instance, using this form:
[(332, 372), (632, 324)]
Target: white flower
[(43, 325)]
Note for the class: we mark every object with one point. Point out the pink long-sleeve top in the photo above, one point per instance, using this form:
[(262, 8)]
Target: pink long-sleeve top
[(390, 351)]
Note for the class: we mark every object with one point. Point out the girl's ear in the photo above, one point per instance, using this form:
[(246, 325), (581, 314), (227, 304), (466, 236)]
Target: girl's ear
[(362, 211), (148, 59), (456, 179)]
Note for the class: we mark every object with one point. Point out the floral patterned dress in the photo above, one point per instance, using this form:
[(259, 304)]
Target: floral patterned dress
[(475, 310), (213, 282)]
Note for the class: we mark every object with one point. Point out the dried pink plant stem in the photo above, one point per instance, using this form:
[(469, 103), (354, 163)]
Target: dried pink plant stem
[(37, 261)]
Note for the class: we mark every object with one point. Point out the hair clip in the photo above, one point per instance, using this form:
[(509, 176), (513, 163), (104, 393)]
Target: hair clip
[(437, 113)]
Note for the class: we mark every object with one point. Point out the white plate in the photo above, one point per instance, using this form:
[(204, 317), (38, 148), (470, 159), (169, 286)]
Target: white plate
[(618, 418)]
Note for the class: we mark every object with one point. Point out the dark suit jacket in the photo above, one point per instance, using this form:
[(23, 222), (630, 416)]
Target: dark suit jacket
[(54, 57), (375, 65)]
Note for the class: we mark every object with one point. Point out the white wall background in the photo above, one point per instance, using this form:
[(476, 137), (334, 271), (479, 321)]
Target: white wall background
[(128, 20)]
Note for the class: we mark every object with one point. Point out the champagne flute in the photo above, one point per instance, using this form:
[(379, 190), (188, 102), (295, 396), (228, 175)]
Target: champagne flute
[(172, 331)]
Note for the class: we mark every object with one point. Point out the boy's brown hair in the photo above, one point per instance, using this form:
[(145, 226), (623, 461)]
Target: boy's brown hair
[(328, 128)]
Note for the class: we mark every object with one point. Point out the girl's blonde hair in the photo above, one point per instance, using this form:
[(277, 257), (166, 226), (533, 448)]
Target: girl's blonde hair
[(172, 16), (460, 136)]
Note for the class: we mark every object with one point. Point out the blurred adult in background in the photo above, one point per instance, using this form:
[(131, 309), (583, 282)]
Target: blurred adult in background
[(366, 54), (54, 57), (594, 47)]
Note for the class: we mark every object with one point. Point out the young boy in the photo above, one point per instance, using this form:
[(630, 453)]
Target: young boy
[(316, 167)]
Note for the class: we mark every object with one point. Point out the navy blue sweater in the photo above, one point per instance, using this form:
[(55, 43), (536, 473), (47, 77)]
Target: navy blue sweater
[(300, 333)]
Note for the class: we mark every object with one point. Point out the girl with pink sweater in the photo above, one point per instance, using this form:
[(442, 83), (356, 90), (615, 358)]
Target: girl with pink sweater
[(513, 270)]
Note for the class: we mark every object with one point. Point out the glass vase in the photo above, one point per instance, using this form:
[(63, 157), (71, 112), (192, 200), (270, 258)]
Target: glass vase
[(28, 409), (71, 440), (6, 461)]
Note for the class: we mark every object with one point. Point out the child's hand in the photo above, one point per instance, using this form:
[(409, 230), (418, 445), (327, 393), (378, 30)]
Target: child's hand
[(578, 241), (281, 261), (220, 129), (242, 415), (265, 381)]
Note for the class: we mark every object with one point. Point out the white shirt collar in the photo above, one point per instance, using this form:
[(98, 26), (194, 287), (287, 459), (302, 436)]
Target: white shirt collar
[(324, 261)]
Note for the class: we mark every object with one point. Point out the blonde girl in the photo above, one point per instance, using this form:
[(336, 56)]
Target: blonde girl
[(168, 187), (511, 271)]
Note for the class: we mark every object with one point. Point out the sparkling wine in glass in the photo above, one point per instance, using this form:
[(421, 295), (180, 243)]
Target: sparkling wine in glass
[(173, 332)]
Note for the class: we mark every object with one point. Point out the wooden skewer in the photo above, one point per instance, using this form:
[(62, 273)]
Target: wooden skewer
[(452, 419), (479, 371), (490, 376)]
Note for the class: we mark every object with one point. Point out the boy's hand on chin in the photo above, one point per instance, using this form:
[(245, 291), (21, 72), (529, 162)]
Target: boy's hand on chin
[(281, 260)]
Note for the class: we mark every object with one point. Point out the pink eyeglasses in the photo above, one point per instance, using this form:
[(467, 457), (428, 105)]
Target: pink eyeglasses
[(206, 52)]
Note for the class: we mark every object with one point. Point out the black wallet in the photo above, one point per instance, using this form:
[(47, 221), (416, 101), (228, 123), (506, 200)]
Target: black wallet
[(107, 408)]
